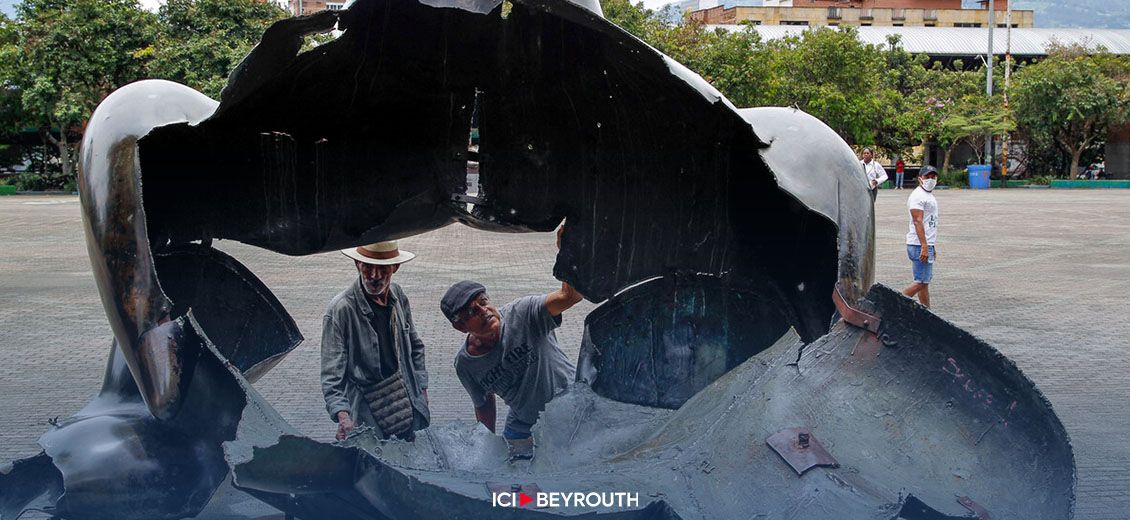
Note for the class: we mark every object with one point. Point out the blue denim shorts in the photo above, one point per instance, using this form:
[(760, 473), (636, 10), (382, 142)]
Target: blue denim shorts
[(923, 272)]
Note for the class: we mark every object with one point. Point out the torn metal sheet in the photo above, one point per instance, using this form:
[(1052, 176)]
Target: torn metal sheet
[(739, 222)]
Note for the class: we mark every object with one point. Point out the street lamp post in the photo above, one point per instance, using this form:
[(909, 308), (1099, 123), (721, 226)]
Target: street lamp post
[(989, 82), (1007, 74)]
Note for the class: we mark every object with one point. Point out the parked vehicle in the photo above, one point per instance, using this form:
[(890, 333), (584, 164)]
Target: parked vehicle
[(1094, 171)]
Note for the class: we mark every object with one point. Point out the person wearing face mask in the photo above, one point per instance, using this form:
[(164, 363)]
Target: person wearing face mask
[(512, 352), (921, 239), (373, 370)]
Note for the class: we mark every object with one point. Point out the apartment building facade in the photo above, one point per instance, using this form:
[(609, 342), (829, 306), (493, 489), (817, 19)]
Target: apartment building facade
[(863, 13), (303, 7)]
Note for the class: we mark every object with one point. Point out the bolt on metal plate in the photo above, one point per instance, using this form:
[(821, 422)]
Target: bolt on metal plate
[(800, 449)]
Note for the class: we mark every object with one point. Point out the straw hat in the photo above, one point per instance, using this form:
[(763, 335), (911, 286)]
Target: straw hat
[(381, 253)]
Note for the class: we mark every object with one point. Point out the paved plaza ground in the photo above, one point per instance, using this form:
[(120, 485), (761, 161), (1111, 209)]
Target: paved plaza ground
[(1042, 275)]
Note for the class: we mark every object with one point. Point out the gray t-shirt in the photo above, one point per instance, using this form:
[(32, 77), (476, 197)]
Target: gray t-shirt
[(526, 368)]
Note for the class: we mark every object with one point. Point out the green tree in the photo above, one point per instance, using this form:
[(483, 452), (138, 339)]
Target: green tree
[(949, 106), (832, 75), (906, 120), (1070, 100), (201, 41), (734, 62), (638, 20), (73, 53), (10, 104)]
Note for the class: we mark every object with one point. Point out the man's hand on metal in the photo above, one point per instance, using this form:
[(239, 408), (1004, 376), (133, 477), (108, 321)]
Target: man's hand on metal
[(344, 425)]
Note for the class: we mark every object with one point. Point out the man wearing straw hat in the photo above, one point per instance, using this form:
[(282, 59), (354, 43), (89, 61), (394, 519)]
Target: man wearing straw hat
[(373, 371)]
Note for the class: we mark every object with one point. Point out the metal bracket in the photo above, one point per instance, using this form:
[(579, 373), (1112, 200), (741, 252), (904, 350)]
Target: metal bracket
[(800, 449), (854, 316)]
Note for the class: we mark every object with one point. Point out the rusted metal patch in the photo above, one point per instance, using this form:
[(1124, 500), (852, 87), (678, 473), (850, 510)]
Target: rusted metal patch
[(867, 347), (800, 449), (854, 316)]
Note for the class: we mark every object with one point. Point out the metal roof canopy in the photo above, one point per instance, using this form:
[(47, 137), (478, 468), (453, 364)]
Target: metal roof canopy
[(966, 41)]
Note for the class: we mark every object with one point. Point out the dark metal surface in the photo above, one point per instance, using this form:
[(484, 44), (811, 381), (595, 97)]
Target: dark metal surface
[(800, 449), (633, 148), (660, 342), (744, 221)]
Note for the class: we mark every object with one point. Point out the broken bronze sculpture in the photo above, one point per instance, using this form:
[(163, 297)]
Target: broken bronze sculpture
[(713, 380)]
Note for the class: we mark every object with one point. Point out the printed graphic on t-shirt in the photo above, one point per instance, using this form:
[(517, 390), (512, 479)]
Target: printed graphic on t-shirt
[(510, 371)]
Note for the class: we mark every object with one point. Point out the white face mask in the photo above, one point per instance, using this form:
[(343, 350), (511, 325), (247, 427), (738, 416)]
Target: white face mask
[(928, 184)]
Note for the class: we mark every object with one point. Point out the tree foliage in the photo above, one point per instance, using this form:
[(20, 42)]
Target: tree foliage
[(1070, 100), (10, 102), (73, 53), (884, 97), (60, 58), (832, 74), (201, 41)]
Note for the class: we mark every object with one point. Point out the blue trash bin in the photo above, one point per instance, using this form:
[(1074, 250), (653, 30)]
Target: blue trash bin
[(979, 176)]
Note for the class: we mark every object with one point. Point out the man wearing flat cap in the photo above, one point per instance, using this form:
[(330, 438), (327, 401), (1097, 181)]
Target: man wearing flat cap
[(373, 371), (511, 352)]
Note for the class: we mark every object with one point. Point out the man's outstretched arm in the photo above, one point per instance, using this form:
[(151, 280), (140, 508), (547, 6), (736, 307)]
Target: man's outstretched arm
[(562, 299)]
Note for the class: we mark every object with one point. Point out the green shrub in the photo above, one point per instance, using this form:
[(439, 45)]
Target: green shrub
[(1040, 180), (954, 178), (29, 182)]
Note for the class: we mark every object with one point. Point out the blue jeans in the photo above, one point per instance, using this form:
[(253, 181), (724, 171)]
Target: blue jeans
[(898, 179), (516, 428), (923, 271)]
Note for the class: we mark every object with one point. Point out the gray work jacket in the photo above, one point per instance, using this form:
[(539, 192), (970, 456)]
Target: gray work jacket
[(351, 355)]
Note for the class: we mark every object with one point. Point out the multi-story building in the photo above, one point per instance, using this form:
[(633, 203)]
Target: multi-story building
[(302, 7), (862, 13)]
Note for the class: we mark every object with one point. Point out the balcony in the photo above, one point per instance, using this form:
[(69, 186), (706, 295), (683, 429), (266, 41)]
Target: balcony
[(834, 13), (866, 14), (898, 14), (930, 14)]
